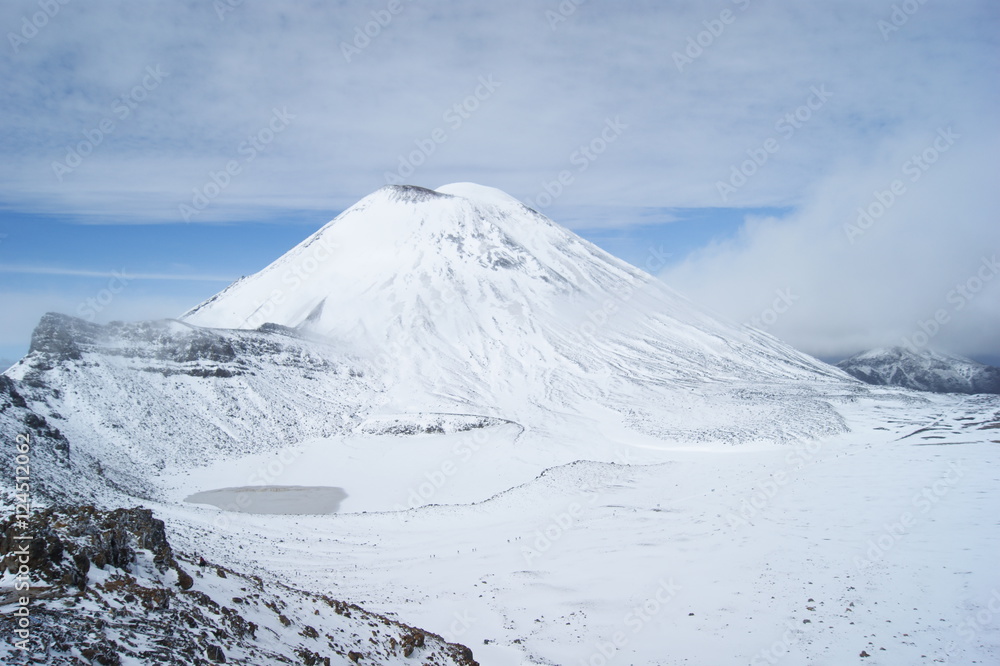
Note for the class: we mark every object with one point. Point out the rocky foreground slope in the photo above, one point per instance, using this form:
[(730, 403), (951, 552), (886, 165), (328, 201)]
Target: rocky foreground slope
[(107, 588)]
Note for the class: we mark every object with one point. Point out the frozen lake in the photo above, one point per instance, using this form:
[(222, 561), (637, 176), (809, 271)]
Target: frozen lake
[(283, 500)]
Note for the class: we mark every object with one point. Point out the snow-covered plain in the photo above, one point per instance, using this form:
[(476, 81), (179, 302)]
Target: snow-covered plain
[(547, 455), (880, 540)]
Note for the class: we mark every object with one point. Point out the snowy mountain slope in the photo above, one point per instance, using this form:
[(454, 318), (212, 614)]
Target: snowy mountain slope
[(467, 298), (21, 427), (923, 370)]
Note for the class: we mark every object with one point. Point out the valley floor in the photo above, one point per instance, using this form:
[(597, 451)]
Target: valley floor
[(878, 546)]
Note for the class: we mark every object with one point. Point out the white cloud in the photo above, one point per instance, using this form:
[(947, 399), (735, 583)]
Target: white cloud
[(909, 265)]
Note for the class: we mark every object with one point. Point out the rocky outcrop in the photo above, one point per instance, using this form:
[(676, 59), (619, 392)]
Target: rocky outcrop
[(61, 337), (67, 541)]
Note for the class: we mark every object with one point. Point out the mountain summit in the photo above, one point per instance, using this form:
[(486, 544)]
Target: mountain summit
[(468, 298)]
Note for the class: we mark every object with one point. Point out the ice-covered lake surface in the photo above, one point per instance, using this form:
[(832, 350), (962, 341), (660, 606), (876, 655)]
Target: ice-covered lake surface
[(280, 500)]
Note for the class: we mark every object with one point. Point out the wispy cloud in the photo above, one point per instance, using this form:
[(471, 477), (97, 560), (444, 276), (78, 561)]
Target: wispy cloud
[(79, 272), (924, 245), (354, 119)]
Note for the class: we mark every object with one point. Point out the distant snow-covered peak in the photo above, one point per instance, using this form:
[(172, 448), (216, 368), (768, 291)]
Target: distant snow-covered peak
[(922, 370)]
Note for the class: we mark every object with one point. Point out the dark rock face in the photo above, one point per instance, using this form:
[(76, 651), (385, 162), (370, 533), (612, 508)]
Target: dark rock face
[(169, 347), (66, 541), (44, 431), (412, 193), (9, 394), (215, 654), (60, 338), (922, 371)]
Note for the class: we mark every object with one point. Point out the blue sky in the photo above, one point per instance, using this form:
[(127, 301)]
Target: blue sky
[(189, 143)]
